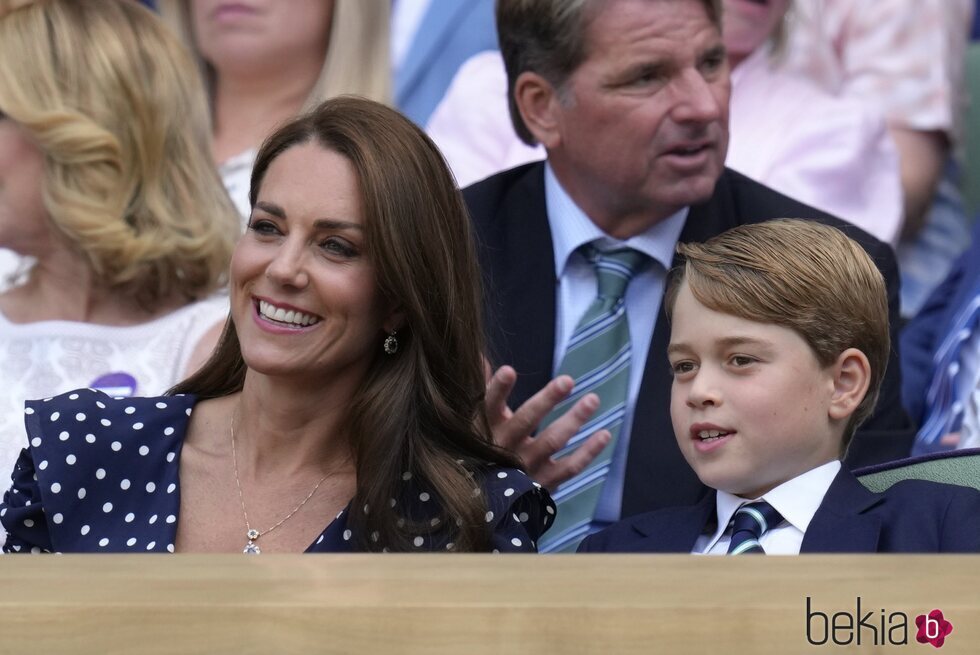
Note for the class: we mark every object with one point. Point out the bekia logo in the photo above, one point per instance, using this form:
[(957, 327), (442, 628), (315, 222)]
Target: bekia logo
[(874, 626), (933, 629)]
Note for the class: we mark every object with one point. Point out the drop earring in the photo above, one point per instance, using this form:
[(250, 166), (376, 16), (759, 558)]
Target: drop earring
[(391, 343)]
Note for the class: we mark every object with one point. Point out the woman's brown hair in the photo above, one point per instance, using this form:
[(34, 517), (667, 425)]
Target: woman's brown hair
[(420, 411)]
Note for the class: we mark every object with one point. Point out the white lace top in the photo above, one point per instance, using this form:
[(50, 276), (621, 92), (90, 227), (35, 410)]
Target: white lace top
[(43, 359)]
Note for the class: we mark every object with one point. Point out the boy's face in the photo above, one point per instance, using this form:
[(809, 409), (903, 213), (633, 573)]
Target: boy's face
[(758, 388)]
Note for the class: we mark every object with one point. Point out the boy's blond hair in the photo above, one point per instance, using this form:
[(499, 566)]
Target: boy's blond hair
[(799, 274)]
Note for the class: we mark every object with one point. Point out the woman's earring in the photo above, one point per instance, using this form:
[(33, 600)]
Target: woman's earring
[(391, 344)]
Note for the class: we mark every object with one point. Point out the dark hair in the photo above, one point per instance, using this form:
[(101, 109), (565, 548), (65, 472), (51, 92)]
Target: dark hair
[(420, 411), (798, 274), (547, 37)]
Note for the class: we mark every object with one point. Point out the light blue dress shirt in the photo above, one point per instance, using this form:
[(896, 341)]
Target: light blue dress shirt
[(576, 289)]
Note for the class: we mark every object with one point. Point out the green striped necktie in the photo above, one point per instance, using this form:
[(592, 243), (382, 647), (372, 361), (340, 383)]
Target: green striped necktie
[(597, 357)]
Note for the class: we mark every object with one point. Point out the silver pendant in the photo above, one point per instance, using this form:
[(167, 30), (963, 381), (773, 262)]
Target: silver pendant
[(252, 548)]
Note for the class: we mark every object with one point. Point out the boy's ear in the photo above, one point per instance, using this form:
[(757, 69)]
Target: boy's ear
[(852, 377)]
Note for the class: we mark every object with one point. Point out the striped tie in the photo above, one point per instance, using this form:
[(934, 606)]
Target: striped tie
[(750, 522), (598, 358)]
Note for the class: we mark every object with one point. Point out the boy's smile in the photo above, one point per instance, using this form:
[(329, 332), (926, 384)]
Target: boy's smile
[(749, 402)]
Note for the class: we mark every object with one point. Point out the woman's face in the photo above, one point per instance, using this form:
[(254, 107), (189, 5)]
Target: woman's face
[(23, 218), (304, 295), (250, 33), (747, 24)]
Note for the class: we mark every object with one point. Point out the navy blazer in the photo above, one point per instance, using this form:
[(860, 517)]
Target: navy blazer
[(925, 333), (451, 32), (911, 516), (517, 258)]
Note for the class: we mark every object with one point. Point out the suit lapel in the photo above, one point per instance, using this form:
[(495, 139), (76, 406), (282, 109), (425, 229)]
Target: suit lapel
[(841, 524), (522, 307), (676, 529), (437, 23)]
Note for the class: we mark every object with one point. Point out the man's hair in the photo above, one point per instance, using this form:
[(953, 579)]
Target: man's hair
[(547, 37), (799, 274)]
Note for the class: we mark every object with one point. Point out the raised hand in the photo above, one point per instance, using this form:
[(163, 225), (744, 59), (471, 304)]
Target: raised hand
[(515, 429)]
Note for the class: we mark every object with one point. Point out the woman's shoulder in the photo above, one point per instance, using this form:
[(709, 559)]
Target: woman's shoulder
[(95, 464), (86, 426), (509, 483), (91, 408), (519, 509)]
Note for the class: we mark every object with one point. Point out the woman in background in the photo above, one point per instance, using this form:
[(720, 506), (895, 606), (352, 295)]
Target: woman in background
[(106, 183), (265, 61), (344, 406)]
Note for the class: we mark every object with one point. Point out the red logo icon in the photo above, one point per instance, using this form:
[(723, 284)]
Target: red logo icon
[(933, 628)]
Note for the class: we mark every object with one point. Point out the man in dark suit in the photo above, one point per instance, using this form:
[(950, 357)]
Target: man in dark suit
[(630, 100)]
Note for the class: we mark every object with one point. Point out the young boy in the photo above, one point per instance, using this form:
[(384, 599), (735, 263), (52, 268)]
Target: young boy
[(779, 340)]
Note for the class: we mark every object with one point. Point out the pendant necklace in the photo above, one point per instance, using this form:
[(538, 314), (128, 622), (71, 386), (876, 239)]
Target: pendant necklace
[(251, 534)]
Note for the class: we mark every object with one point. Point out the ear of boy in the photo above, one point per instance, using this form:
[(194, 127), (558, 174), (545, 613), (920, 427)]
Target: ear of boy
[(852, 377)]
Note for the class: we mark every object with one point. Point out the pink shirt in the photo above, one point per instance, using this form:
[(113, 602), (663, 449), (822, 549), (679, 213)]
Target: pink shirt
[(903, 57), (831, 153)]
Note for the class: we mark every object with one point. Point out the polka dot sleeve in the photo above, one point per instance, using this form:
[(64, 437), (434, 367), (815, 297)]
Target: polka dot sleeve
[(22, 512), (520, 511), (99, 474)]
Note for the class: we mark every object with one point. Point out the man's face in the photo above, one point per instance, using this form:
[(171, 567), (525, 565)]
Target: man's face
[(642, 128)]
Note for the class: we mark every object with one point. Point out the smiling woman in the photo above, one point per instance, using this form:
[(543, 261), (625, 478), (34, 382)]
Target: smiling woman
[(343, 407)]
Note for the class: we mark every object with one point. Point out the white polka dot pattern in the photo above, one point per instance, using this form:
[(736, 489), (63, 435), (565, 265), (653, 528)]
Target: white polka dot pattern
[(111, 466), (106, 457)]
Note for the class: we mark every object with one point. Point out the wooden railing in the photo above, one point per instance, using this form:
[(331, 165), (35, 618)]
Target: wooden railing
[(473, 604)]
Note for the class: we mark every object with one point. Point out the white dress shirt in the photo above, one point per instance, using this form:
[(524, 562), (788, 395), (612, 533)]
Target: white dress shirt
[(797, 500), (577, 288)]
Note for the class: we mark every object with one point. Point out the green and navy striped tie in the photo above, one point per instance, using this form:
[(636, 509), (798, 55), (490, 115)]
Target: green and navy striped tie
[(598, 358), (750, 522)]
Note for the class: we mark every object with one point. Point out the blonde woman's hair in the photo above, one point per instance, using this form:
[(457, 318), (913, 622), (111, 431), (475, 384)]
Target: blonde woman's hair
[(357, 60), (798, 274), (115, 105)]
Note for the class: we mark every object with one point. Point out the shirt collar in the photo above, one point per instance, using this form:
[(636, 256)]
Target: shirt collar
[(571, 229), (797, 500)]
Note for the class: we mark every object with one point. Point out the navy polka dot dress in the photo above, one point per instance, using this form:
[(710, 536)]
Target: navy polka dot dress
[(100, 474)]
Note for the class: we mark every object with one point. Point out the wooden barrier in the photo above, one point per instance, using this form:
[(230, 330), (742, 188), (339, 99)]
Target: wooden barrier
[(474, 604)]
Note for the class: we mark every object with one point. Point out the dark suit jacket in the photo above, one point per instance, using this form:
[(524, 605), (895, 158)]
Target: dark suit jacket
[(517, 257), (925, 333), (912, 516)]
